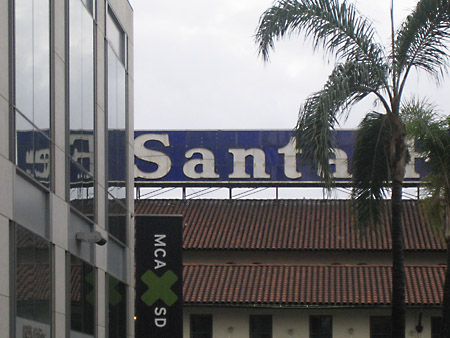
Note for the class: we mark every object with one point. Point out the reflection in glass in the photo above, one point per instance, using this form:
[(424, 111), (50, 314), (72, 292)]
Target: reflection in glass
[(117, 213), (82, 296), (33, 291), (81, 190), (32, 57), (117, 308), (32, 150), (116, 147), (81, 122), (115, 35)]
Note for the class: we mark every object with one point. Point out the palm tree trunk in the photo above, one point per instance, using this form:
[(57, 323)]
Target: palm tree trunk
[(398, 265), (445, 326)]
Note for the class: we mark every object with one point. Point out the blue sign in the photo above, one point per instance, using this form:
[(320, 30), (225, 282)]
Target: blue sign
[(239, 158)]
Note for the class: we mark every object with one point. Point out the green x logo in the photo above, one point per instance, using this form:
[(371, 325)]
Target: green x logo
[(159, 288)]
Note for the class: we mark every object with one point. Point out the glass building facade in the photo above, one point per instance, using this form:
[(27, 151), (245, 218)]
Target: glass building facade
[(65, 103)]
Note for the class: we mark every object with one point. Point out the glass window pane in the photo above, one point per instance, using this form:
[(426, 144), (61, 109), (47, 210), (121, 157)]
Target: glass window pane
[(32, 150), (260, 326), (380, 326), (24, 56), (117, 307), (81, 123), (82, 190), (33, 276), (82, 296), (201, 326), (117, 218), (436, 327), (33, 61), (320, 326), (116, 36), (41, 66)]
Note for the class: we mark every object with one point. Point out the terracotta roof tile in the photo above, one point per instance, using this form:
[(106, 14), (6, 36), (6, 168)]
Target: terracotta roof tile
[(312, 285), (286, 225)]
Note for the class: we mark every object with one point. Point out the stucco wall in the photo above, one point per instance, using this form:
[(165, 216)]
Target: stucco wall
[(298, 320)]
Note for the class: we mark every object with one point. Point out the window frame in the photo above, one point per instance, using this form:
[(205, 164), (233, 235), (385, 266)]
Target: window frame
[(209, 332), (257, 332), (386, 322), (83, 330), (436, 324), (312, 331)]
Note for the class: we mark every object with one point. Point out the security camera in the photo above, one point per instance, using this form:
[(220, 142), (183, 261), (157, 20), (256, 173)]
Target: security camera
[(91, 237)]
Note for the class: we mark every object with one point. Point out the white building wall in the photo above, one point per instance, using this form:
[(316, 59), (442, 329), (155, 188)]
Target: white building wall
[(297, 320)]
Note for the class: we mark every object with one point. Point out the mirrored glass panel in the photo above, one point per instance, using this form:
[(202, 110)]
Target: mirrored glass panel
[(32, 150), (115, 35), (82, 296), (117, 308), (81, 123), (82, 190), (32, 57), (33, 288), (117, 220)]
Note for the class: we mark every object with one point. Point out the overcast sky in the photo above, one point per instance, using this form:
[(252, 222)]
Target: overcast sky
[(197, 66)]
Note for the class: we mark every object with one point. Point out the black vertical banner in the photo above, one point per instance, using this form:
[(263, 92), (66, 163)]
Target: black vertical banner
[(159, 267)]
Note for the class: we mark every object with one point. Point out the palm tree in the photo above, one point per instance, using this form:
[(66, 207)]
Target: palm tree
[(364, 67), (431, 134)]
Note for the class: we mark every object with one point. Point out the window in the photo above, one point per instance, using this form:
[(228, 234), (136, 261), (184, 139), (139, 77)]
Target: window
[(436, 323), (82, 296), (116, 121), (320, 327), (81, 103), (117, 308), (33, 288), (380, 327), (201, 326), (32, 88), (261, 326)]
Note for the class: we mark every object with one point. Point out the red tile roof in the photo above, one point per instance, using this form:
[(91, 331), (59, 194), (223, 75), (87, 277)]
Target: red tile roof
[(306, 285), (286, 225)]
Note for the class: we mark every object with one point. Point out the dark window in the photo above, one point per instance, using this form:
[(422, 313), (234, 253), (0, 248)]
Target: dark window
[(82, 296), (261, 326), (117, 308), (436, 323), (32, 276), (201, 326), (320, 327), (380, 327)]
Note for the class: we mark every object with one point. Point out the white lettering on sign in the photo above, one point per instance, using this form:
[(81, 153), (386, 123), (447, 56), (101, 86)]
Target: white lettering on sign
[(410, 167), (206, 163), (159, 252), (204, 166), (160, 312), (161, 160), (340, 164), (290, 159), (259, 163)]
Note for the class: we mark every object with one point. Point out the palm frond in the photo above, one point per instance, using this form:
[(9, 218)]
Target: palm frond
[(335, 27), (431, 135), (422, 39), (347, 84), (369, 168)]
